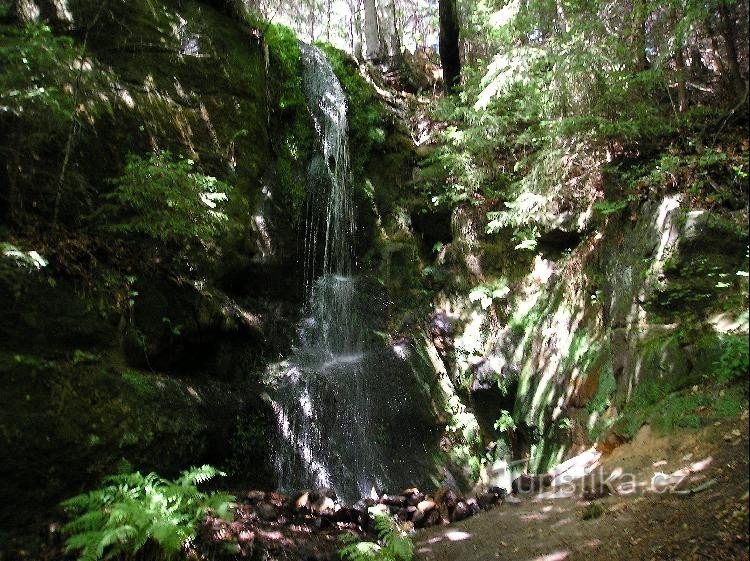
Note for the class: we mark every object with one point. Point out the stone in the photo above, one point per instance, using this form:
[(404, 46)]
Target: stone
[(473, 506), (415, 498), (255, 496), (460, 512), (426, 506), (418, 518), (499, 492), (302, 502), (393, 500), (267, 512), (378, 510), (363, 504), (406, 513), (526, 483), (486, 500), (324, 505), (434, 518), (450, 499)]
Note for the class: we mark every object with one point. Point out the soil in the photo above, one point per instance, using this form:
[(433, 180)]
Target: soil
[(709, 523)]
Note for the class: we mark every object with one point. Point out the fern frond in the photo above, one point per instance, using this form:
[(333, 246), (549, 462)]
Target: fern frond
[(396, 546), (131, 508), (360, 551)]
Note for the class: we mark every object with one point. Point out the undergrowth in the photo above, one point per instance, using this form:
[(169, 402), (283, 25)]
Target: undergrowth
[(394, 545), (695, 407), (131, 510), (734, 361)]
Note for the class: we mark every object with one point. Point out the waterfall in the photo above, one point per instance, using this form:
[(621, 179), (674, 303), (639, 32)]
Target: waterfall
[(322, 394)]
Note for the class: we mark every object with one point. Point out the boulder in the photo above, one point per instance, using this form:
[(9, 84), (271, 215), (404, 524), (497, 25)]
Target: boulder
[(526, 483), (267, 512), (461, 512), (393, 500), (426, 506)]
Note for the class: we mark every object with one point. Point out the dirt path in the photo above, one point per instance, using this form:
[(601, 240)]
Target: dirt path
[(643, 525)]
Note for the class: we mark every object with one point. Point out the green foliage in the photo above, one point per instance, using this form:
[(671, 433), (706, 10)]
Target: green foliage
[(365, 114), (131, 509), (163, 200), (36, 65), (464, 433), (295, 142), (394, 545), (84, 357), (655, 402), (505, 423), (34, 362), (286, 56), (485, 294), (734, 361), (601, 401), (611, 207), (594, 510), (729, 402), (30, 260)]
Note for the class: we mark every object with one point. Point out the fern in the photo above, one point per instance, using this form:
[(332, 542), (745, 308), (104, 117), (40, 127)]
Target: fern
[(165, 200), (130, 509), (394, 544)]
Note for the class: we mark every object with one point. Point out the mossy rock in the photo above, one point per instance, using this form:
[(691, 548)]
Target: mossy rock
[(46, 315), (66, 423)]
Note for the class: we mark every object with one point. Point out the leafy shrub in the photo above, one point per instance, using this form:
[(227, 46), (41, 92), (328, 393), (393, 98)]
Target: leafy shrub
[(611, 207), (505, 423), (36, 65), (394, 544), (131, 509), (164, 200), (734, 360)]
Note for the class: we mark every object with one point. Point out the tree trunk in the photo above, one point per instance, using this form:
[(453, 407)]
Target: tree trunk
[(716, 51), (562, 20), (638, 36), (728, 30), (372, 32), (450, 55), (679, 60), (388, 30), (355, 28), (329, 10)]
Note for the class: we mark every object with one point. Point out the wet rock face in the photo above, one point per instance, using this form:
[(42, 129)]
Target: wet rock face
[(90, 378)]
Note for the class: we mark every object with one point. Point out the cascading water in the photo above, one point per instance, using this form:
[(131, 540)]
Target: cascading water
[(322, 395)]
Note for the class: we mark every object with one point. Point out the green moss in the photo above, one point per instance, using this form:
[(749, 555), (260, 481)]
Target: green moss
[(665, 411), (730, 402), (594, 510), (365, 114), (599, 404), (142, 384), (294, 137), (285, 58)]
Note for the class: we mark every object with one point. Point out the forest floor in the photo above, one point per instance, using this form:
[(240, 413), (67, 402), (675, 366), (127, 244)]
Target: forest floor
[(711, 523)]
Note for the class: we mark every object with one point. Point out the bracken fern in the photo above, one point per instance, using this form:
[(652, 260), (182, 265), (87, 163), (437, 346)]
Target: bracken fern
[(130, 509), (394, 544)]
